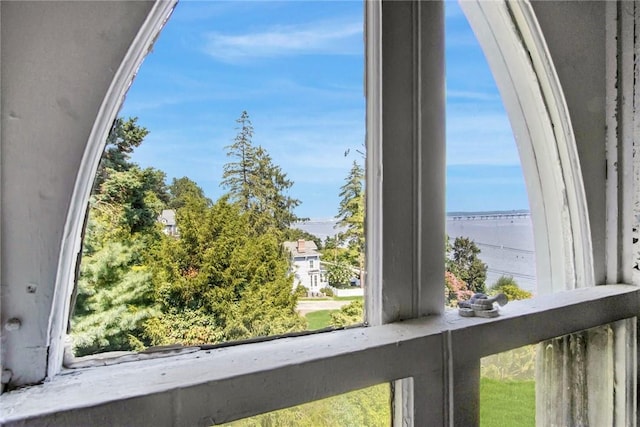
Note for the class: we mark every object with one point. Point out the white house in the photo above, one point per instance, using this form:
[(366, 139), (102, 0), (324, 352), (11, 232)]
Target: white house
[(305, 265), (168, 220)]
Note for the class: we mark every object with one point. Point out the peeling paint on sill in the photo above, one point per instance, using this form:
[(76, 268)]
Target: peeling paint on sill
[(156, 352)]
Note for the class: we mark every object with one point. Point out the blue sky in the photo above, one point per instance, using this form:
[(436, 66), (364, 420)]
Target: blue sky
[(297, 68)]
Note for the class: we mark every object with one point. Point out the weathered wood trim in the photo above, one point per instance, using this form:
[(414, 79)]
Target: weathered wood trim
[(58, 61), (622, 117), (622, 132), (413, 156), (71, 242), (521, 63), (231, 383), (374, 169), (405, 138)]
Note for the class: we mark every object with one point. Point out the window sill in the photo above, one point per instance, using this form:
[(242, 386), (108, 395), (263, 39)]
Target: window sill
[(215, 386)]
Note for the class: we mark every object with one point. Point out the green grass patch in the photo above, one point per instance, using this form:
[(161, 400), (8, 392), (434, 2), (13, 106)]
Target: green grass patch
[(319, 319), (348, 298), (507, 403)]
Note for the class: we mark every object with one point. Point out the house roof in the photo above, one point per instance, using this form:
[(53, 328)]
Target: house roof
[(167, 217), (301, 248)]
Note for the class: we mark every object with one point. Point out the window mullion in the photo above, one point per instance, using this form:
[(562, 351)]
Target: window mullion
[(406, 176), (231, 383), (413, 160), (465, 405)]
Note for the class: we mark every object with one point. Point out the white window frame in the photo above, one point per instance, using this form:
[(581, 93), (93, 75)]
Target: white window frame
[(439, 351)]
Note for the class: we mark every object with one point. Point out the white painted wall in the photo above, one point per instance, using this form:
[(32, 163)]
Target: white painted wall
[(58, 61), (306, 275), (355, 292)]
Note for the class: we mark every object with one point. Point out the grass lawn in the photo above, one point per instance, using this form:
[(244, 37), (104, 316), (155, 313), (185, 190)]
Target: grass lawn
[(330, 298), (348, 298), (507, 403), (319, 319)]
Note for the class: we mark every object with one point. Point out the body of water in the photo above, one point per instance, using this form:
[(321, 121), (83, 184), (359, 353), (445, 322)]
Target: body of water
[(505, 240)]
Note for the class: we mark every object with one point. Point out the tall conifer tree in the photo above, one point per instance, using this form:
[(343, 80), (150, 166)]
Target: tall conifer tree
[(114, 294), (256, 184), (351, 215)]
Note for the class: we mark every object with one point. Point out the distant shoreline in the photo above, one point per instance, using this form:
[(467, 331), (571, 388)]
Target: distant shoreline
[(505, 239), (490, 213), (465, 214)]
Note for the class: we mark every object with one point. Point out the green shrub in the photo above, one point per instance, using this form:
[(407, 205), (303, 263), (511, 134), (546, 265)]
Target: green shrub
[(327, 291), (517, 364), (508, 286), (300, 291), (349, 314)]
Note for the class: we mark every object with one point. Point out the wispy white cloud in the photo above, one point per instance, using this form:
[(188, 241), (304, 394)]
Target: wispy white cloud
[(159, 101), (309, 148), (472, 96), (337, 37), (267, 89)]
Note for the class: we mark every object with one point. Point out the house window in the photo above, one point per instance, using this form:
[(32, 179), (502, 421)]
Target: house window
[(311, 263)]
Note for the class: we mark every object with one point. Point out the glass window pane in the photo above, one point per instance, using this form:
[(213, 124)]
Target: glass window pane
[(490, 246), (507, 388), (243, 129), (369, 407)]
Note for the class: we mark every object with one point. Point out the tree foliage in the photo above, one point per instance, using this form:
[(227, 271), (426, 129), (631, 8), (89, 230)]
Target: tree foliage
[(124, 137), (182, 188), (256, 184), (294, 234), (231, 284), (508, 286), (114, 290), (463, 261), (349, 314), (114, 298), (455, 290), (351, 214), (369, 407), (339, 273), (332, 251), (226, 276), (130, 200)]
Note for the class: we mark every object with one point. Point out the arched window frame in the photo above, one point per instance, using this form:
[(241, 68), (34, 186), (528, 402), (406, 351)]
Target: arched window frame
[(229, 384)]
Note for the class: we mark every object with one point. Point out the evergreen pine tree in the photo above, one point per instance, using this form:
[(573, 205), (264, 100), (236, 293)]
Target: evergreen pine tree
[(114, 298), (124, 137), (239, 175), (256, 184), (180, 188), (351, 215), (114, 291), (218, 282)]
